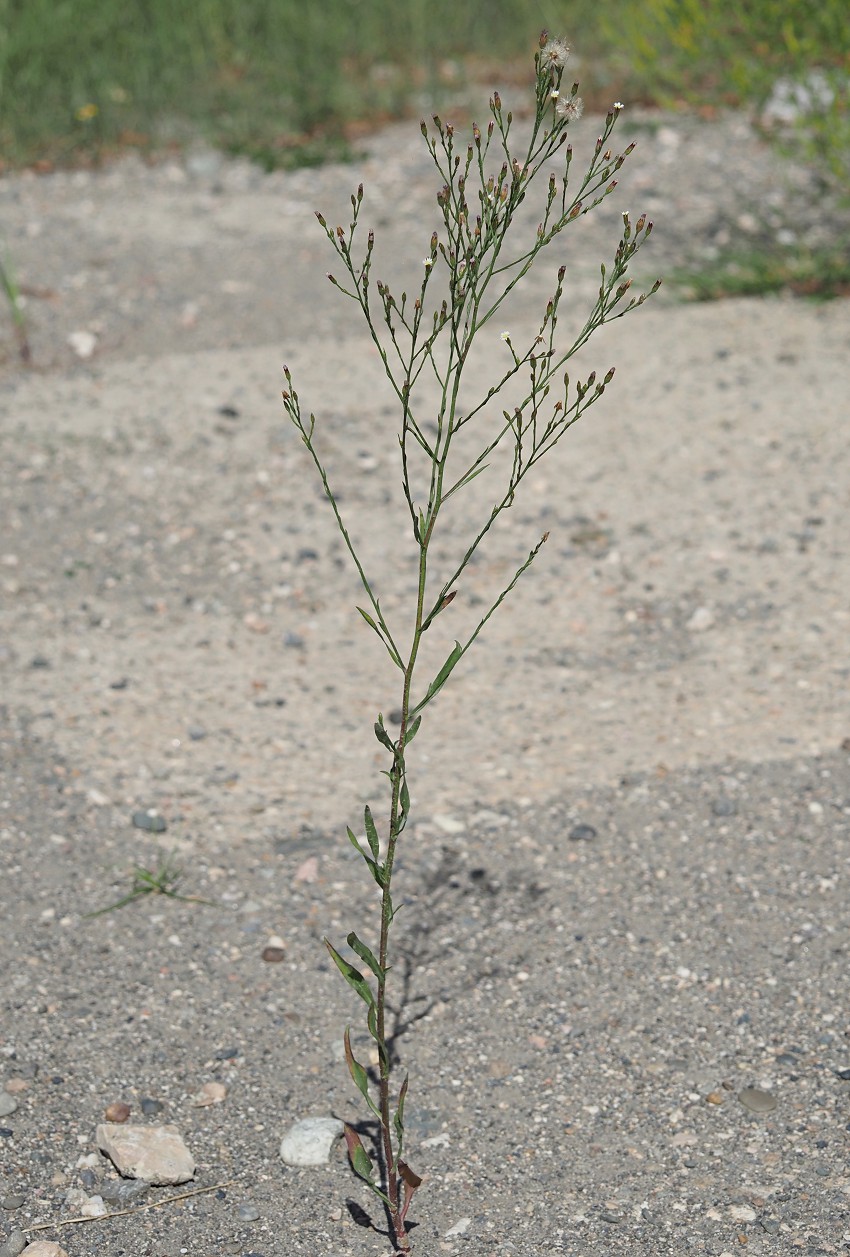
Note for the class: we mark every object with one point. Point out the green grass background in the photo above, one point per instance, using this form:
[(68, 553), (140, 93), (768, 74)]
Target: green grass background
[(284, 79)]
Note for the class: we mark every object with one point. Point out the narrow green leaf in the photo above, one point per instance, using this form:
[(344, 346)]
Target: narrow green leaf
[(412, 731), (359, 1074), (353, 976), (370, 621), (360, 1161), (371, 833), (398, 1119), (382, 735), (365, 955), (442, 676), (377, 870)]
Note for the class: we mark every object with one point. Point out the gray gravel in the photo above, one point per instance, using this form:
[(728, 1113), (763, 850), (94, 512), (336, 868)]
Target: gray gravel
[(623, 956)]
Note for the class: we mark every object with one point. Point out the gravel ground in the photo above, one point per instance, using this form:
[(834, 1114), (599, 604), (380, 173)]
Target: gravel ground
[(625, 913)]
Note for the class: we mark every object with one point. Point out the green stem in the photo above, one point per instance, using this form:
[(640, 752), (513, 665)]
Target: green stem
[(396, 824)]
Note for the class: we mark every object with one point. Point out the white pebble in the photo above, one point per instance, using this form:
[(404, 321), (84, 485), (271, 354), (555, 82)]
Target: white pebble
[(82, 343), (309, 1141)]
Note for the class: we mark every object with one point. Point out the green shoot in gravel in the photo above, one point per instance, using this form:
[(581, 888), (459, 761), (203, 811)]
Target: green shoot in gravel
[(162, 881), (425, 344), (13, 298)]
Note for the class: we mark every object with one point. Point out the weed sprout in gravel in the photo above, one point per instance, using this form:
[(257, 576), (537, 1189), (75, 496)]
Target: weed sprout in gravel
[(425, 341)]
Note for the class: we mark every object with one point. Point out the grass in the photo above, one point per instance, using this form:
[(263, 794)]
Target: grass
[(12, 293), (280, 80), (162, 880), (820, 274)]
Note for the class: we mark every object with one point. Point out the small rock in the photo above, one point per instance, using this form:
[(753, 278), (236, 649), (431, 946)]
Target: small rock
[(449, 824), (121, 1193), (724, 807), (247, 1213), (742, 1213), (82, 343), (94, 1208), (685, 1139), (44, 1248), (309, 1141), (150, 1106), (757, 1101), (273, 955), (117, 1112), (701, 620), (609, 1217), (15, 1244), (308, 870), (8, 1105), (460, 1227), (227, 1054), (582, 833), (715, 1097), (16, 1085), (154, 1153), (843, 1074), (13, 1201), (150, 820), (210, 1093)]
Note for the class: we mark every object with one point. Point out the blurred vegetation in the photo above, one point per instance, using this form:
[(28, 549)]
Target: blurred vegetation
[(790, 59), (288, 81), (272, 78)]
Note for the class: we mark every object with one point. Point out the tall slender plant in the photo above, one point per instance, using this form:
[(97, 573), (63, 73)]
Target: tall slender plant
[(427, 342)]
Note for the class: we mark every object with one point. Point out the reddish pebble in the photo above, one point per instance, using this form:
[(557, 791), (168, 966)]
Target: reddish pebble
[(274, 955), (117, 1112)]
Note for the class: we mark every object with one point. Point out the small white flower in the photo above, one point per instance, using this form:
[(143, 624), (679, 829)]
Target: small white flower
[(554, 94), (506, 337), (427, 261), (618, 105)]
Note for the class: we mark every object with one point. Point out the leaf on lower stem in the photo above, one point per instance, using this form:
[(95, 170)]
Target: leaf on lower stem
[(371, 833), (398, 1120), (382, 735), (377, 870), (365, 955), (353, 976), (359, 1075), (411, 1182)]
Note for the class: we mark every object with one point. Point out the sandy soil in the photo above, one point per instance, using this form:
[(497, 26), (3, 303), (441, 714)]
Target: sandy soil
[(179, 634)]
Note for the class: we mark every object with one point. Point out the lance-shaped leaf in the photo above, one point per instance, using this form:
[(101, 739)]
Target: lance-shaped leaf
[(371, 833), (353, 976), (360, 1162), (441, 677), (398, 1119), (365, 955), (375, 869), (411, 1181), (359, 1074), (382, 735)]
